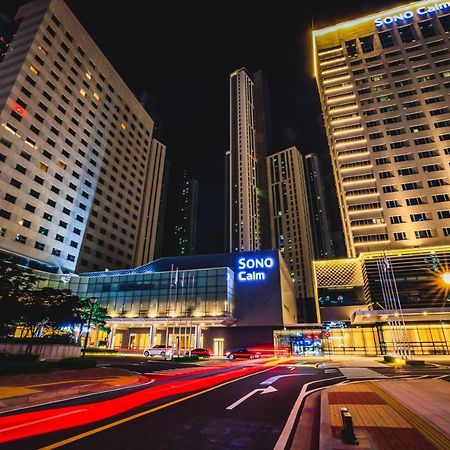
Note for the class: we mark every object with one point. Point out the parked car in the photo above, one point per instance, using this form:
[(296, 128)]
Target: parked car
[(159, 350), (242, 352), (202, 352)]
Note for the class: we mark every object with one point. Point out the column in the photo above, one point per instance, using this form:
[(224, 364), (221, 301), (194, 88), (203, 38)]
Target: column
[(111, 337), (151, 333)]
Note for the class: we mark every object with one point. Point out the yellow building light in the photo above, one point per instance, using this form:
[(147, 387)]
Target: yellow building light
[(123, 126), (88, 76), (446, 277), (83, 92), (34, 69)]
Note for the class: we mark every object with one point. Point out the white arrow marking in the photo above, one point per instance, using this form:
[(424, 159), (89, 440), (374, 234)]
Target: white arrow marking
[(276, 378), (267, 390)]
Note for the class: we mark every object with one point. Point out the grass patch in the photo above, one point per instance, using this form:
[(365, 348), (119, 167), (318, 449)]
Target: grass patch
[(101, 351)]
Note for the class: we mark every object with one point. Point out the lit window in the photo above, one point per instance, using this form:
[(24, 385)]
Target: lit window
[(83, 92), (96, 96), (34, 70), (43, 167), (88, 76), (43, 50), (62, 165)]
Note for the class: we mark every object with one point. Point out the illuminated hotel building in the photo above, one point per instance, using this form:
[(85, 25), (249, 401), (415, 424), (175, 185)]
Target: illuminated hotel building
[(243, 209), (384, 82), (80, 172), (290, 224)]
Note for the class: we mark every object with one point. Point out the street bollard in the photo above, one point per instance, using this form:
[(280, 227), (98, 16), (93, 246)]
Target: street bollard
[(348, 433)]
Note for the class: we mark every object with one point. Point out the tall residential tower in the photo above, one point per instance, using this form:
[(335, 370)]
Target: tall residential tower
[(320, 224), (78, 166), (186, 226), (243, 210), (383, 85), (290, 224)]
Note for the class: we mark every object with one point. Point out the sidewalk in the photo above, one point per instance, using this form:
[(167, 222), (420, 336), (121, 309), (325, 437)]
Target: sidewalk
[(388, 415), (31, 389)]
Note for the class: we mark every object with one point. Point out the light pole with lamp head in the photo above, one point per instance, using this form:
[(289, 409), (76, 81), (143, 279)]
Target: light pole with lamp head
[(92, 303)]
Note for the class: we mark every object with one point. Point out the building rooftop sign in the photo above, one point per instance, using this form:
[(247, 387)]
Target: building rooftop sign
[(422, 12)]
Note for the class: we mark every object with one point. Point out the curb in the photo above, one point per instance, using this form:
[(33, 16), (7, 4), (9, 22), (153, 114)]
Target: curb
[(61, 393)]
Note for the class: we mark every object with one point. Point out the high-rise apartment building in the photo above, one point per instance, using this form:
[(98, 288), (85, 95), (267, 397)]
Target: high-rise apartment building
[(383, 83), (290, 223), (242, 202), (320, 225), (77, 159), (263, 135), (186, 226)]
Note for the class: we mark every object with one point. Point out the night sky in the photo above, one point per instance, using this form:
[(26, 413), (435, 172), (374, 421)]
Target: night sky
[(183, 56)]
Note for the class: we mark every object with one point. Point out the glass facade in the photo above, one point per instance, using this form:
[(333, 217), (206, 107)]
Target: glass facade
[(345, 339), (199, 293)]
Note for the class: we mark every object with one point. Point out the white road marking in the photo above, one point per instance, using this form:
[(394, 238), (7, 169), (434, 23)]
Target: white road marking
[(267, 390), (330, 370), (277, 377)]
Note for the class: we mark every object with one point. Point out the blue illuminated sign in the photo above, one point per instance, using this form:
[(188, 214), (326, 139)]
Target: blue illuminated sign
[(254, 269), (399, 19)]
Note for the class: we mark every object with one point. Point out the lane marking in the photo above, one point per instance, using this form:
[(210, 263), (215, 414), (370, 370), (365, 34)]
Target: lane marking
[(34, 422), (267, 390), (144, 413), (272, 380), (284, 436)]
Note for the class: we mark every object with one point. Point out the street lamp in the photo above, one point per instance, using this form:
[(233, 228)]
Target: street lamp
[(92, 303), (446, 277)]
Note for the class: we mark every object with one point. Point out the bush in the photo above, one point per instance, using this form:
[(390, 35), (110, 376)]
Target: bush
[(390, 358), (11, 357), (16, 367), (76, 363)]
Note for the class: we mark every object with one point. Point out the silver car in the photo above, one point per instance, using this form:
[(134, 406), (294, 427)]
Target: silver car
[(159, 350)]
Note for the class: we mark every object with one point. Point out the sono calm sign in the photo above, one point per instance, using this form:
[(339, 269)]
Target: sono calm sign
[(254, 269), (422, 12)]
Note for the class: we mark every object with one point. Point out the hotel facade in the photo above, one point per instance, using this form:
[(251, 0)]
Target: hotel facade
[(384, 82), (80, 169)]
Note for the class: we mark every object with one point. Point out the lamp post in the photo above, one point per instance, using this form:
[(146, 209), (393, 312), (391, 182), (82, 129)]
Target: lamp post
[(92, 302)]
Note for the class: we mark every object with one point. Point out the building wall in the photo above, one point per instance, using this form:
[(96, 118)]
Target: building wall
[(289, 217), (75, 147), (151, 201), (320, 225), (243, 210), (418, 277), (386, 112)]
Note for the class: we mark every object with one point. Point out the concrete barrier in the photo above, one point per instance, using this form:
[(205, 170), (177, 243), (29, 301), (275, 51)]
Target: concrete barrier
[(45, 351)]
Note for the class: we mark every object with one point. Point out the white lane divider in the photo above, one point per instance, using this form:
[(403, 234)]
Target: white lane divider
[(267, 390)]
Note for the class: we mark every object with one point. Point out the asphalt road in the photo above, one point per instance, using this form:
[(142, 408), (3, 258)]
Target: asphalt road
[(247, 413), (246, 410)]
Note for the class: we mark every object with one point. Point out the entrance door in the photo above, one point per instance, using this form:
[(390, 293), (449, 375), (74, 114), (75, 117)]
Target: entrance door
[(218, 347)]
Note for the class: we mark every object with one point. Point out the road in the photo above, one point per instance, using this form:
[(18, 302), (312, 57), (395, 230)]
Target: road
[(218, 405)]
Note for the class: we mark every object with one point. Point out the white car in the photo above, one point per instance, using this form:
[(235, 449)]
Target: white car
[(159, 350)]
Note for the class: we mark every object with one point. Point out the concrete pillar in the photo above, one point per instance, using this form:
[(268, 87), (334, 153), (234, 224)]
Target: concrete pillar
[(198, 334), (111, 337), (151, 333)]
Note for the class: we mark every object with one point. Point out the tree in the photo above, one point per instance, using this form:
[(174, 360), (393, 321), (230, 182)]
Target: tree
[(47, 308), (99, 315), (15, 284)]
